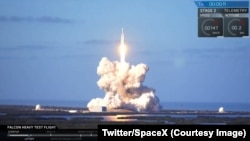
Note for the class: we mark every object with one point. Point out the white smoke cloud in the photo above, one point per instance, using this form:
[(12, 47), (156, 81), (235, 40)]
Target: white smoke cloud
[(124, 89)]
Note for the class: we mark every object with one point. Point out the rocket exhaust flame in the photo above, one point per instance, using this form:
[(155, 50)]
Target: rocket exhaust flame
[(123, 49), (123, 85)]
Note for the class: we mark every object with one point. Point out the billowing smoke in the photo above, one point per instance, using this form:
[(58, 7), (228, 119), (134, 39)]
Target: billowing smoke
[(124, 89)]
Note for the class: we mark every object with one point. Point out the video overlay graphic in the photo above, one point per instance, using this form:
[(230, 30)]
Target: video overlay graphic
[(223, 18), (123, 131)]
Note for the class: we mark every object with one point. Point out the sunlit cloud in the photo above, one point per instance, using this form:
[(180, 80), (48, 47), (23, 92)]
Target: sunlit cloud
[(42, 19)]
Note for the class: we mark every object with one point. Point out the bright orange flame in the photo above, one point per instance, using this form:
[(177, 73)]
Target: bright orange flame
[(123, 49)]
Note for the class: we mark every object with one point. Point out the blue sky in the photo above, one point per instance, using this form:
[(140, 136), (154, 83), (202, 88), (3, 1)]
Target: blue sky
[(51, 50)]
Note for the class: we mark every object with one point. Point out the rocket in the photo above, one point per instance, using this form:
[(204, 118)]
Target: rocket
[(123, 49), (122, 38)]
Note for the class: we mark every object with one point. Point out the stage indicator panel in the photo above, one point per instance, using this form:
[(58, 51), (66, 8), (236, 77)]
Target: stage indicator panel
[(223, 18)]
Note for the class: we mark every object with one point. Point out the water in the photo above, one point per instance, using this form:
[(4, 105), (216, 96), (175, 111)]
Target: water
[(63, 103), (214, 106), (166, 105)]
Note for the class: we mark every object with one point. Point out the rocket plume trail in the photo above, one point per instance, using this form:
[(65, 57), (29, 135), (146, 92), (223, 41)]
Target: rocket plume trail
[(123, 85), (123, 49)]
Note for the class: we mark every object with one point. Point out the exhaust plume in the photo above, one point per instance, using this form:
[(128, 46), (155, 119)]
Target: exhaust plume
[(123, 49), (123, 85)]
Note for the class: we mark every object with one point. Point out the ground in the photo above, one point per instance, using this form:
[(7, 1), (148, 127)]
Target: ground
[(83, 119)]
